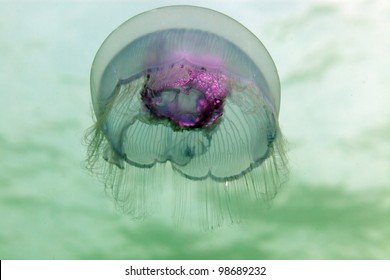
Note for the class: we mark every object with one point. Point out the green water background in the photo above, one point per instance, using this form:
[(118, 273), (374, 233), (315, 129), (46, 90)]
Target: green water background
[(332, 58)]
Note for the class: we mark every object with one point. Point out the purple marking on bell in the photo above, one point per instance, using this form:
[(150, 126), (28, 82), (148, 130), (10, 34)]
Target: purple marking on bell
[(186, 95)]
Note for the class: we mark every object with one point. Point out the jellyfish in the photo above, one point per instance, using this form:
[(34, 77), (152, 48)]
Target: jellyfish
[(186, 103)]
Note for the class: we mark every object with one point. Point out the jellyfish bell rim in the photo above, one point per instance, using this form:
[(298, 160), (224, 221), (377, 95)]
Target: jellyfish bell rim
[(198, 18)]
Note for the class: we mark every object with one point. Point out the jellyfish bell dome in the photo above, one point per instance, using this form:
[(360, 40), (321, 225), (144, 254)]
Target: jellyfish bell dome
[(186, 99)]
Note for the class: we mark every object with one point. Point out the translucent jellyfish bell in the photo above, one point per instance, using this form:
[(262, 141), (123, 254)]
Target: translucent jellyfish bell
[(186, 101)]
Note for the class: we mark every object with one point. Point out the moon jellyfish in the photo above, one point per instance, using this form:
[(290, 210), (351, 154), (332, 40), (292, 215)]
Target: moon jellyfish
[(186, 101)]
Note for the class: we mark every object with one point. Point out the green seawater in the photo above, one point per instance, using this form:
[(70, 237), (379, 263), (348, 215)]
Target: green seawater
[(332, 58)]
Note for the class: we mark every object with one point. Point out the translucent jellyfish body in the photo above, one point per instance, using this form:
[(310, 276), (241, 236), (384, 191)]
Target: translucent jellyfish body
[(186, 101)]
